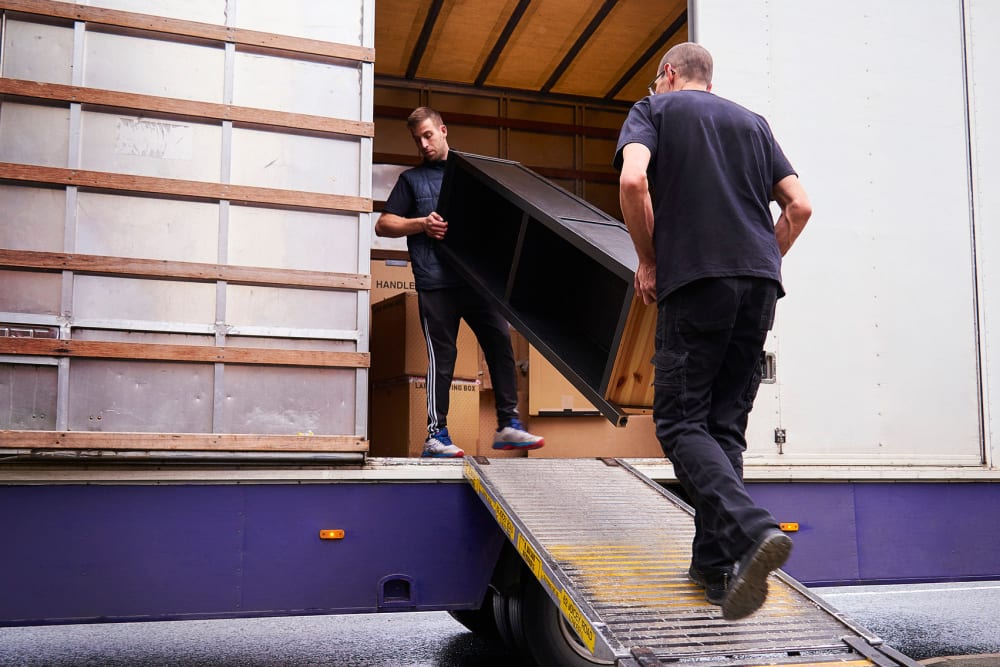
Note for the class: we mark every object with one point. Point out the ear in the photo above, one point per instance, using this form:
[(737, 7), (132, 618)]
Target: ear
[(444, 130)]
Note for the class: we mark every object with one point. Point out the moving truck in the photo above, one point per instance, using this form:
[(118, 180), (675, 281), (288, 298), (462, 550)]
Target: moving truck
[(187, 193)]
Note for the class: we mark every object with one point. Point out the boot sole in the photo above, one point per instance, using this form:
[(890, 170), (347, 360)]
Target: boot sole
[(748, 589)]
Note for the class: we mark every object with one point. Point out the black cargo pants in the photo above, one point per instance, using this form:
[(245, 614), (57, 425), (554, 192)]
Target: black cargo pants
[(709, 341)]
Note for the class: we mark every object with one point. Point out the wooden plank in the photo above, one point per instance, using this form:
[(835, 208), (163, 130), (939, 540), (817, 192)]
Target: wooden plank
[(475, 120), (245, 116), (181, 441), (240, 194), (631, 382), (90, 349), (154, 268), (181, 28), (379, 253), (590, 175)]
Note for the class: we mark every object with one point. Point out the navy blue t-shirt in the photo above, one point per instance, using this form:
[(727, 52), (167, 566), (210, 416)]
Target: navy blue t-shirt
[(415, 195), (714, 165)]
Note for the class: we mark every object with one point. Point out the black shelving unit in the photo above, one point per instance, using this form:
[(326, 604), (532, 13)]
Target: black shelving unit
[(559, 269)]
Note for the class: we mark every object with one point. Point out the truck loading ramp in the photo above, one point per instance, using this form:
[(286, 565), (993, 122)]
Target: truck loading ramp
[(612, 548)]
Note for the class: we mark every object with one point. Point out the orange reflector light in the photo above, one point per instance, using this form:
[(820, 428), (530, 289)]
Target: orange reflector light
[(789, 527), (331, 534)]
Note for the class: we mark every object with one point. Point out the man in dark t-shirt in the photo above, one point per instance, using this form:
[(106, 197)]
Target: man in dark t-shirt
[(444, 299), (710, 257)]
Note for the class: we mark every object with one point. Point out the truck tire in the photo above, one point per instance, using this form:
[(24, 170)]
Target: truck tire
[(482, 621), (549, 638)]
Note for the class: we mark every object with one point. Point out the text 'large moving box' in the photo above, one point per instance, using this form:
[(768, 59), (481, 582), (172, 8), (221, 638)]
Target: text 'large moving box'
[(398, 424)]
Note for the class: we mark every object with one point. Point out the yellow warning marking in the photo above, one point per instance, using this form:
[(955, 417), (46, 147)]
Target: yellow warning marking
[(530, 556), (576, 619), (505, 523), (473, 478), (544, 578)]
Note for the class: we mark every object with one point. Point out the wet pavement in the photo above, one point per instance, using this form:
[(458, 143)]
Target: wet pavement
[(926, 620), (922, 621)]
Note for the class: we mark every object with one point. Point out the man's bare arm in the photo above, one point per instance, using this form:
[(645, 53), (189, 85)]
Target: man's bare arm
[(795, 211), (637, 209), (391, 225)]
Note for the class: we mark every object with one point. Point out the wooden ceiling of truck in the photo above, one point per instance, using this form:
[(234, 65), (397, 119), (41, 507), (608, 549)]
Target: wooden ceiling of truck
[(604, 50)]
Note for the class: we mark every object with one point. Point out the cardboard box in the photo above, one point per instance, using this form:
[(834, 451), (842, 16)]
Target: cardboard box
[(398, 419), (519, 346), (389, 278), (585, 437), (550, 393), (398, 347)]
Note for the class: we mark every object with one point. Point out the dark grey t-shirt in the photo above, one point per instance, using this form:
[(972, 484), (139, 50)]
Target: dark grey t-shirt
[(714, 165)]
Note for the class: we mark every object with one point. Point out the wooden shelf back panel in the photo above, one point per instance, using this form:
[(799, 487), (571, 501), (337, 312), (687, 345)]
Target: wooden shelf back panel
[(631, 382)]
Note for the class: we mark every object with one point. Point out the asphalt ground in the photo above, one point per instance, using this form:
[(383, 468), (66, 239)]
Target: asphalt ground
[(936, 623)]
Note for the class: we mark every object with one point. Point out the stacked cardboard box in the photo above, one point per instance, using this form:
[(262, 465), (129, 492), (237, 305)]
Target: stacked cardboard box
[(550, 393), (398, 402), (391, 277), (398, 424), (581, 436)]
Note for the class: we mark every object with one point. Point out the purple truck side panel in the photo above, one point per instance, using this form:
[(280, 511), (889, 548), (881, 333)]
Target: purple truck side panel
[(101, 553), (889, 532), (91, 553)]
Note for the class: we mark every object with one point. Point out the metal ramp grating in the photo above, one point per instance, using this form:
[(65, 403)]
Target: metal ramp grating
[(612, 548)]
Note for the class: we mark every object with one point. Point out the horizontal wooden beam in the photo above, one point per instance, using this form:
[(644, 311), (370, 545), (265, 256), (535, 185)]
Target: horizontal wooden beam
[(528, 125), (90, 349), (181, 441), (162, 269), (548, 172), (383, 254), (241, 116), (239, 194), (180, 28)]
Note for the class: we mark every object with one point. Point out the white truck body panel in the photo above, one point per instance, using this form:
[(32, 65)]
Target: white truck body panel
[(877, 342)]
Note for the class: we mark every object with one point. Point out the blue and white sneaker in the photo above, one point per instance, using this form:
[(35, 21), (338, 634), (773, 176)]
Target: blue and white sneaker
[(440, 446), (513, 436)]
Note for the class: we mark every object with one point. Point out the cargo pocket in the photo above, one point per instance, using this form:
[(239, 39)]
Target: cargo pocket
[(669, 371), (750, 393)]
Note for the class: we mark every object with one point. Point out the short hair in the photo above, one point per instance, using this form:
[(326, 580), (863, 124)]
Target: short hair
[(692, 61), (420, 114)]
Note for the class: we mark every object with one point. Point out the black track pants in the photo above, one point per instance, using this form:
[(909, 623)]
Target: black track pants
[(441, 311)]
